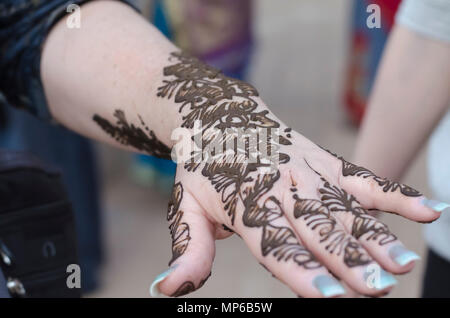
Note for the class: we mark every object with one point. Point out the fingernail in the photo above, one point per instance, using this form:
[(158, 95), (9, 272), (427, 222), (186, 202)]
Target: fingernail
[(154, 289), (385, 280), (328, 286), (402, 255), (435, 205)]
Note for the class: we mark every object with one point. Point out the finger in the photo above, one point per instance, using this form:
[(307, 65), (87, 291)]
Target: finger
[(374, 192), (329, 241), (273, 242), (373, 235), (192, 247)]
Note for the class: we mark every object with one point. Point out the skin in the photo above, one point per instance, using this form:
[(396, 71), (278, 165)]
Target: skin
[(412, 86), (125, 84)]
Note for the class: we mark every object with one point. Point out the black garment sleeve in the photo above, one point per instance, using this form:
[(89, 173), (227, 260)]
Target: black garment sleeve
[(24, 25)]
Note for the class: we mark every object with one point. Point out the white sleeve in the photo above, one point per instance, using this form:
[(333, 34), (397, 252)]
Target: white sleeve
[(427, 17)]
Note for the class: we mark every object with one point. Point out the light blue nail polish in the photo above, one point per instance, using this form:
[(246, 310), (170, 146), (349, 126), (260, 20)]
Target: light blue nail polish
[(402, 255), (154, 290), (435, 205), (385, 280), (328, 286)]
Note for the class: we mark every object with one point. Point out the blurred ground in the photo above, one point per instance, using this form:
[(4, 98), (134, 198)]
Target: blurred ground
[(298, 69)]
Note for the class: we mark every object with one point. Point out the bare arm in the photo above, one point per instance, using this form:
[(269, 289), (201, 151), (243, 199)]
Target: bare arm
[(112, 63), (411, 93)]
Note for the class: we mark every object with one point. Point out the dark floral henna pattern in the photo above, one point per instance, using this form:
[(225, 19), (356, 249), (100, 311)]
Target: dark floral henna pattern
[(364, 225), (221, 103), (350, 169), (188, 287), (210, 95), (142, 139), (279, 241), (184, 289), (179, 230), (317, 216), (226, 228)]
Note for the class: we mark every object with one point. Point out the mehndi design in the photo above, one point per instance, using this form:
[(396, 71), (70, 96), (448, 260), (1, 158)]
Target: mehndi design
[(179, 231), (350, 169), (188, 287), (337, 200), (131, 135), (317, 216), (221, 102), (364, 225)]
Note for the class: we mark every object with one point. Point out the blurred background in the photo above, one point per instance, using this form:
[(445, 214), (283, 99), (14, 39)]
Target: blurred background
[(313, 62)]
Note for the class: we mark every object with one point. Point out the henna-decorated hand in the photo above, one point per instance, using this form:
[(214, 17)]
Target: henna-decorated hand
[(305, 220)]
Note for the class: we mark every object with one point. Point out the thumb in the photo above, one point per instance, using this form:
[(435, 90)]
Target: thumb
[(192, 247)]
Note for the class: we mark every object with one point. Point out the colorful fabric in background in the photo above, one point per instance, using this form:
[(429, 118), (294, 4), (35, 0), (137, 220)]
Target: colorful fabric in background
[(217, 32), (149, 170), (366, 48)]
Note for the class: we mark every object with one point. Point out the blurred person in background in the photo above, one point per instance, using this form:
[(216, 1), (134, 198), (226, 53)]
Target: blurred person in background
[(366, 47), (409, 102), (118, 80)]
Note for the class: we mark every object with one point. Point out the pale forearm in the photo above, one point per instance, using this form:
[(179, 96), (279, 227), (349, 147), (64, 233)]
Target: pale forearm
[(113, 62), (411, 93), (114, 66)]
